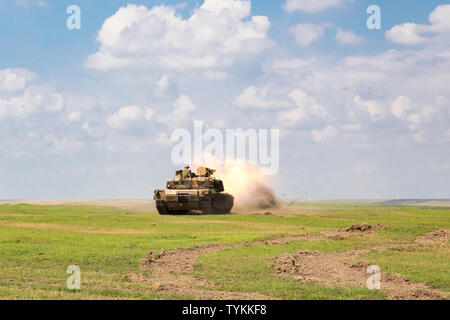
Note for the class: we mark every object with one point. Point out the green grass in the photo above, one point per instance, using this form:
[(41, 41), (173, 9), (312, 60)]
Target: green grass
[(247, 269), (428, 265), (38, 243)]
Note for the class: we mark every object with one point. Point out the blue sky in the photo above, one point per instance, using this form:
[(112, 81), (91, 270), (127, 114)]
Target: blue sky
[(36, 38), (362, 113)]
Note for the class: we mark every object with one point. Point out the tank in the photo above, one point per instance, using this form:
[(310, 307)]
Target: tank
[(189, 192)]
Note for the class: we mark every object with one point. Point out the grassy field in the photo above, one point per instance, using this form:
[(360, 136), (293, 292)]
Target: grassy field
[(38, 243)]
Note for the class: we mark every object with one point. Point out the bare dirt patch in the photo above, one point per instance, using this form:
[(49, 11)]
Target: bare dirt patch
[(170, 273), (355, 230), (151, 257), (342, 268), (436, 237), (171, 270), (288, 239)]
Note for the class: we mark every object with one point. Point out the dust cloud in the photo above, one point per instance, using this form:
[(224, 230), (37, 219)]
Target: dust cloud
[(250, 188)]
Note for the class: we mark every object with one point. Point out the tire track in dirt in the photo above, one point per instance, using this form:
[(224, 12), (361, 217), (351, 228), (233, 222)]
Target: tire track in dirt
[(170, 274), (171, 271), (341, 268)]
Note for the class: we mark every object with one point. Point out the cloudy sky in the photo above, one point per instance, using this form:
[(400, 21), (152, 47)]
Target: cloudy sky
[(89, 113)]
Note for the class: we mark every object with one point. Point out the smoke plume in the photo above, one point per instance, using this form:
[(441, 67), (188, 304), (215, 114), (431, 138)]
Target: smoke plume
[(250, 188)]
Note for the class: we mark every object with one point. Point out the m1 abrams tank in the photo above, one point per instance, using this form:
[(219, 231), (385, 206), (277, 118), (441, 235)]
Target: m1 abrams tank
[(193, 191)]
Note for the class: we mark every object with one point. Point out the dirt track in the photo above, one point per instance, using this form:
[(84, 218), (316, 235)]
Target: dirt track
[(170, 270), (170, 274), (342, 268)]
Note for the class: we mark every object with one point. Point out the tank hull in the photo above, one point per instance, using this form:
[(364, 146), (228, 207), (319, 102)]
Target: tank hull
[(183, 201)]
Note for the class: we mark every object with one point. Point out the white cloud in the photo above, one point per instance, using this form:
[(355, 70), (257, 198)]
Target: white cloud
[(361, 91), (292, 117), (303, 100), (373, 108), (317, 89), (412, 33), (163, 139), (59, 144), (407, 33), (124, 117), (15, 79), (440, 18), (325, 135), (182, 111), (87, 128), (307, 108), (55, 102), (285, 66), (312, 5), (182, 108), (163, 84), (74, 116), (347, 37), (95, 131), (258, 98), (400, 107), (18, 99), (305, 34), (214, 36), (307, 103), (32, 100)]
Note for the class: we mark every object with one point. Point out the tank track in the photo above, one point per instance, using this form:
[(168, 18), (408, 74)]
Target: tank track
[(222, 203)]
